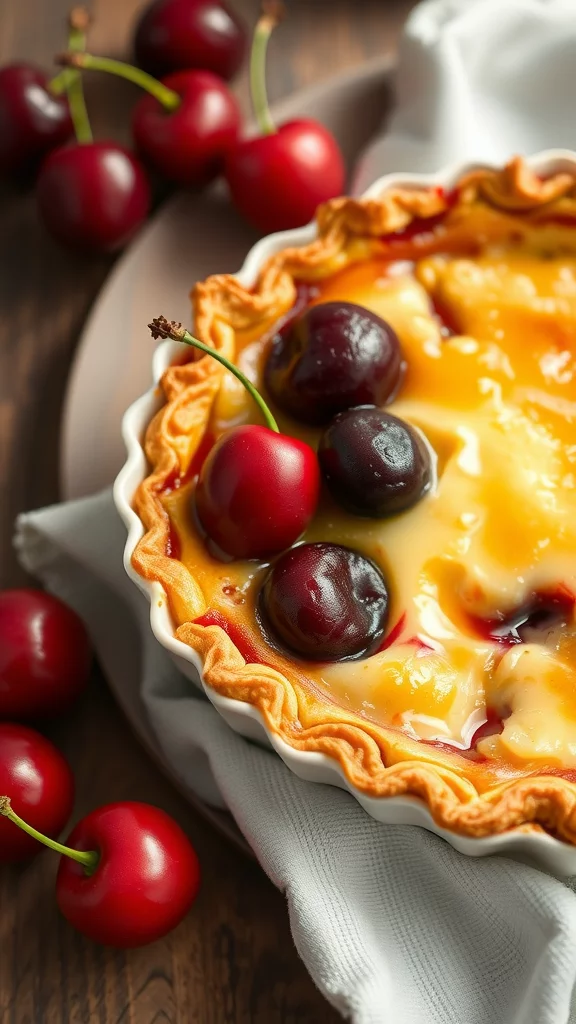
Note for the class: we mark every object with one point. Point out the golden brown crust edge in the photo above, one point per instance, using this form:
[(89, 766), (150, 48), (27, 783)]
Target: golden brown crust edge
[(374, 759)]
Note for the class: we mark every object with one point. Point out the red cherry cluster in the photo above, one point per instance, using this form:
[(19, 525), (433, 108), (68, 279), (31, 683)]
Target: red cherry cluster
[(95, 195), (128, 874), (258, 489)]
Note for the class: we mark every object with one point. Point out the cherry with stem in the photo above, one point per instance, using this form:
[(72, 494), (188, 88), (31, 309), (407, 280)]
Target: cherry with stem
[(185, 124), (278, 179), (91, 195), (127, 875), (258, 488)]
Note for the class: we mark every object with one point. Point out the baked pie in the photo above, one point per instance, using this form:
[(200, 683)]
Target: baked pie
[(419, 626)]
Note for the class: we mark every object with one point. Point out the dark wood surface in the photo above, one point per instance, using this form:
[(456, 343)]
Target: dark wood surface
[(232, 959)]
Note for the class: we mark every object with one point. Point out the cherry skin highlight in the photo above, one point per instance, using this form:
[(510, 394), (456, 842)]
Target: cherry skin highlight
[(45, 655), (336, 355), (257, 491), (93, 196), (38, 780), (325, 602), (277, 181), (189, 144), (32, 120), (175, 35), (144, 883), (373, 463)]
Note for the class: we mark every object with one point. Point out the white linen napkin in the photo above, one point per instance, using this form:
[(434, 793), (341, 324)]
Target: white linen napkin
[(479, 80), (394, 926)]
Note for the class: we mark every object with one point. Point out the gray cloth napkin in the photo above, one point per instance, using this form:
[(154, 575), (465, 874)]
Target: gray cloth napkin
[(394, 926)]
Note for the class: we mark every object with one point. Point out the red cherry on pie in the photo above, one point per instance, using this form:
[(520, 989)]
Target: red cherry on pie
[(258, 489)]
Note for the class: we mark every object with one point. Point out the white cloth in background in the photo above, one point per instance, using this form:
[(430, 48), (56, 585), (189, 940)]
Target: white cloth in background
[(479, 80), (394, 926)]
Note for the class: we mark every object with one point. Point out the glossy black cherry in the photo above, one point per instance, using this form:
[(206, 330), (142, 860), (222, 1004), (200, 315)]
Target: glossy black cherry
[(336, 355), (325, 602), (373, 463)]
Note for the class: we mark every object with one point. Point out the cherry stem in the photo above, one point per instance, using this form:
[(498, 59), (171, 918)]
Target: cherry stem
[(88, 858), (78, 21), (168, 98), (163, 328), (272, 13)]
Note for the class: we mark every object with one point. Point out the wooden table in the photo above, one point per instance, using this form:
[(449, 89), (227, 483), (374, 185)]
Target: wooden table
[(232, 959)]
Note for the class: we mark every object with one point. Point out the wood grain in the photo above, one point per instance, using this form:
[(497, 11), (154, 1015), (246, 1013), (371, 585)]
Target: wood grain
[(232, 960)]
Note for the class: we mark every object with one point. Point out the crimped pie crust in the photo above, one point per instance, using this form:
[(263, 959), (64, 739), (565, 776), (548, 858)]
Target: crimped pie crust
[(378, 761)]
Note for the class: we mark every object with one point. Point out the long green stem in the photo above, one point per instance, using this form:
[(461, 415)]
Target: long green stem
[(163, 328), (88, 858), (272, 12), (78, 25), (169, 99)]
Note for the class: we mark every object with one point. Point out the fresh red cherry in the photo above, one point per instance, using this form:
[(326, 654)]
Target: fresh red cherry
[(185, 124), (128, 874), (374, 463), (258, 489), (32, 119), (174, 35), (39, 782), (278, 179), (334, 356), (325, 602), (189, 144), (93, 196), (45, 655)]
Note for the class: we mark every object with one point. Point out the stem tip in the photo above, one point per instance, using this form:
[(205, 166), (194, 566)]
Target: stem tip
[(5, 805), (79, 19), (163, 328), (274, 11)]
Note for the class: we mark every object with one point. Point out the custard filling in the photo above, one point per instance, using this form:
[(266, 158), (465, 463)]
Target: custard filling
[(482, 570)]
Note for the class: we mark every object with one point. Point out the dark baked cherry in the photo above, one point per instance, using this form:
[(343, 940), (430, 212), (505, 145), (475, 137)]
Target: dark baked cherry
[(374, 463), (325, 602), (336, 355)]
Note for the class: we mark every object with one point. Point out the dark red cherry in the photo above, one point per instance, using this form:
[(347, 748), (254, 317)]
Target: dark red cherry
[(336, 355), (93, 195), (279, 177), (374, 463), (188, 144), (173, 35), (257, 491), (277, 181), (325, 602), (32, 120)]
